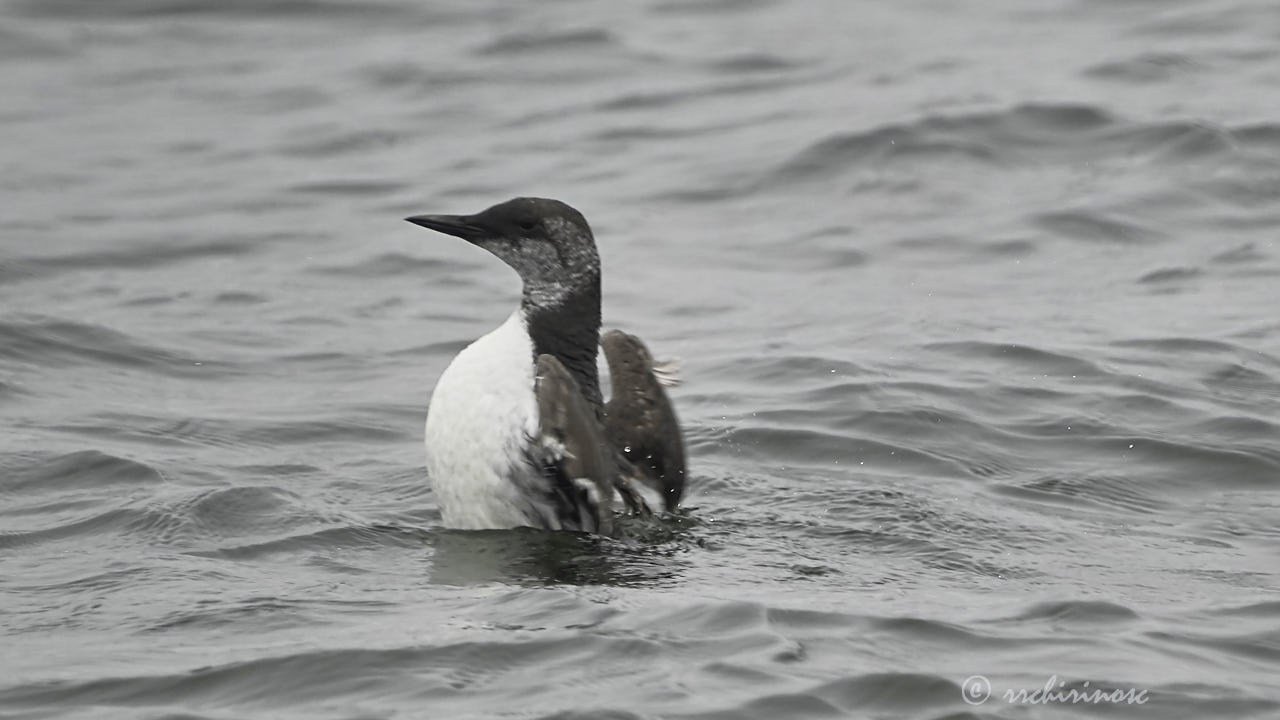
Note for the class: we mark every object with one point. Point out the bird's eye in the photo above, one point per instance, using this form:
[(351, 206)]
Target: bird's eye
[(526, 224)]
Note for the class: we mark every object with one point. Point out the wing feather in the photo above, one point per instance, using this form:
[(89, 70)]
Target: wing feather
[(572, 451)]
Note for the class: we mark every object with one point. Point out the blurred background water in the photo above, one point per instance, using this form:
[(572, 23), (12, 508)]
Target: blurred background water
[(977, 307)]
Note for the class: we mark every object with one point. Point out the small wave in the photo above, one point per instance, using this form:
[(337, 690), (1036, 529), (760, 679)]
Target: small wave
[(1256, 646), (1107, 492), (53, 342), (628, 133), (133, 258), (987, 137), (1201, 346), (1245, 528), (1203, 22), (282, 9), (197, 520), (825, 249), (239, 298), (1025, 135), (9, 390), (444, 348), (82, 470), (265, 613), (93, 582), (770, 370), (1190, 463), (19, 45), (751, 63), (911, 527), (239, 433), (876, 147), (1269, 609), (349, 188), (344, 141), (671, 127), (1179, 141), (1078, 612), (1148, 67), (1094, 226), (393, 264), (710, 7), (424, 79), (937, 632), (632, 101), (327, 539), (1246, 190), (1242, 382), (241, 509), (302, 677), (1038, 360), (94, 526), (306, 432), (594, 714), (1170, 275), (1240, 254), (1259, 136), (1239, 427), (889, 692), (280, 470), (557, 41), (814, 448)]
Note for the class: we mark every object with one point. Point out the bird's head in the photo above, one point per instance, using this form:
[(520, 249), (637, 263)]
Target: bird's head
[(547, 242)]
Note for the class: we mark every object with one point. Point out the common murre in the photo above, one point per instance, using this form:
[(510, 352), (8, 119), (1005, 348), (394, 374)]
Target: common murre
[(517, 433)]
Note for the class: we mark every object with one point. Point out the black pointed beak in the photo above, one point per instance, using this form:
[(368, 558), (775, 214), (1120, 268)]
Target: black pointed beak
[(455, 225)]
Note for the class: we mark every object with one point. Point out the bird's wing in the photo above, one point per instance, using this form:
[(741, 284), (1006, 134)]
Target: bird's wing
[(639, 418), (625, 482), (572, 452)]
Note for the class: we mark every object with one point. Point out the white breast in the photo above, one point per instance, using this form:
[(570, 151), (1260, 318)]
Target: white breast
[(481, 413)]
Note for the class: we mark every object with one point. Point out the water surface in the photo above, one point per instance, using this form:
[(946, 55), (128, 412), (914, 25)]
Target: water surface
[(976, 309)]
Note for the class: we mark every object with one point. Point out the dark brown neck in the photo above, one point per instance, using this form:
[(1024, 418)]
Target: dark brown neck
[(569, 330)]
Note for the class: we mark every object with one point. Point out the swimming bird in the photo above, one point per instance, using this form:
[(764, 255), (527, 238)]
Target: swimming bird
[(517, 432)]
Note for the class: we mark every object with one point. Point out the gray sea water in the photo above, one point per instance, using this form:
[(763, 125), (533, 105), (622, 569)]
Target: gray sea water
[(978, 306)]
